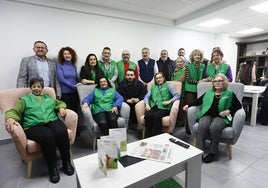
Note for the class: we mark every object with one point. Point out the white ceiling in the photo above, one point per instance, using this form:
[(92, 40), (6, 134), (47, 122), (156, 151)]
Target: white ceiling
[(186, 14)]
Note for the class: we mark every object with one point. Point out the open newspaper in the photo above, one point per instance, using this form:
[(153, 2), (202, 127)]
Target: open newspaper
[(152, 151)]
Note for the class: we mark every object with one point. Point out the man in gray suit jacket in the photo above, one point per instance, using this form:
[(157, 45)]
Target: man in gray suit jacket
[(39, 65)]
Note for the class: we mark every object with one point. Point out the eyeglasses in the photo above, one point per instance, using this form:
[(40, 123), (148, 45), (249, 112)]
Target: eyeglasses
[(217, 81), (125, 54), (40, 47)]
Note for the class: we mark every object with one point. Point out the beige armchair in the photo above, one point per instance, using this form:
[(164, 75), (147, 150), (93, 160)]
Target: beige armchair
[(168, 122), (29, 149), (92, 126), (229, 135)]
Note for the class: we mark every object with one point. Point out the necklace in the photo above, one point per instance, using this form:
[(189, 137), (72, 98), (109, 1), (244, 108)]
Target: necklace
[(217, 96)]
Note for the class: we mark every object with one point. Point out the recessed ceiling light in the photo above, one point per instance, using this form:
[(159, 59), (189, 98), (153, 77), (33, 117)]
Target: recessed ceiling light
[(263, 7), (214, 22), (249, 31)]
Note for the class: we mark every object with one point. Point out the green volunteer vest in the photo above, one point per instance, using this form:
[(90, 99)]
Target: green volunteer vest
[(175, 76), (195, 75), (121, 71), (39, 110), (158, 96), (211, 71), (108, 73), (103, 100), (225, 103)]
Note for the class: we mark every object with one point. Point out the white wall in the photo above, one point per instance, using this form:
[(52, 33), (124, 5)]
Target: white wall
[(22, 24)]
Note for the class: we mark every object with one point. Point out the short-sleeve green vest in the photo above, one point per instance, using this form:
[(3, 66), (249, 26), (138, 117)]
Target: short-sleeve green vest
[(225, 103), (103, 100), (175, 76), (211, 71), (121, 71), (38, 110), (159, 95), (108, 73), (195, 75)]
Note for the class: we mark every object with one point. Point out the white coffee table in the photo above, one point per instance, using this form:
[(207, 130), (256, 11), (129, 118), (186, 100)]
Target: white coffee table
[(145, 173)]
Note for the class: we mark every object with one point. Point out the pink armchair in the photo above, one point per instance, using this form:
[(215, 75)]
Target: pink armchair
[(168, 122), (29, 149)]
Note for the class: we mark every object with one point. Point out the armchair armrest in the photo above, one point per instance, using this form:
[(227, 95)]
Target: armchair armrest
[(125, 111), (90, 123), (174, 113), (239, 121), (191, 115), (139, 110), (70, 120), (19, 138)]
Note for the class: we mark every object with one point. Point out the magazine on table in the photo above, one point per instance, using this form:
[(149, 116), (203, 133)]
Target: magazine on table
[(152, 151)]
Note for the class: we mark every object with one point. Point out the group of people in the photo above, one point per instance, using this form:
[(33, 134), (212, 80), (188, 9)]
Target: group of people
[(116, 82)]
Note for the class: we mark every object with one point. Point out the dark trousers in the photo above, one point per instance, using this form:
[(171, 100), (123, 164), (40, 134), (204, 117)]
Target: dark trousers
[(213, 126), (50, 136), (106, 121), (71, 100), (189, 98), (153, 121), (132, 115)]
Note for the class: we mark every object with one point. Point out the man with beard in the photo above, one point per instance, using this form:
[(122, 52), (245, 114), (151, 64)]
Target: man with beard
[(125, 64), (132, 91), (166, 65)]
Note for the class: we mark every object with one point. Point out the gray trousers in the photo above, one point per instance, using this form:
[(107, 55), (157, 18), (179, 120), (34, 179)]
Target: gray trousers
[(213, 126)]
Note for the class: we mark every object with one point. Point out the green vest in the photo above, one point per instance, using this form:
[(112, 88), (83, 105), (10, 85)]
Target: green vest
[(195, 75), (175, 76), (211, 71), (108, 73), (102, 100), (39, 110), (158, 96), (225, 103), (121, 71)]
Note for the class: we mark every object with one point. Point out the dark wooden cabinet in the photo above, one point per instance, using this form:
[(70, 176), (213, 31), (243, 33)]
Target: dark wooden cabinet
[(255, 52)]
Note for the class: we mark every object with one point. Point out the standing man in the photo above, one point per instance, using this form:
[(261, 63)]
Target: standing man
[(147, 67), (124, 65), (181, 54), (108, 66), (39, 66), (132, 91), (166, 65)]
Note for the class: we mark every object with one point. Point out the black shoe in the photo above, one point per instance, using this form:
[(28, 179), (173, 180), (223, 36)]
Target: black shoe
[(209, 158), (54, 176), (67, 168)]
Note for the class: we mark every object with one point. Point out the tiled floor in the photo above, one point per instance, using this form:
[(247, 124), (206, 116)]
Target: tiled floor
[(247, 169)]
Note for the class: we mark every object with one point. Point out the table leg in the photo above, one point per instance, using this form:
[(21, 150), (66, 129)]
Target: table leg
[(254, 109), (193, 173)]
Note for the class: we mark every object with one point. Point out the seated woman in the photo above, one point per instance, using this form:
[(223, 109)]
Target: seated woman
[(219, 104), (106, 102), (158, 102), (37, 113)]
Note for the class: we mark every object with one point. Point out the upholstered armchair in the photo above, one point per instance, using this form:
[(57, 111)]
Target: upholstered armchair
[(229, 135), (92, 126), (29, 149), (169, 121)]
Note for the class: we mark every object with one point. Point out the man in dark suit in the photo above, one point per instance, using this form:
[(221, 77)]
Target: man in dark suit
[(39, 66)]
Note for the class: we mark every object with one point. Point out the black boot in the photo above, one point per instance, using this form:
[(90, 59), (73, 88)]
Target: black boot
[(54, 176), (67, 168)]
